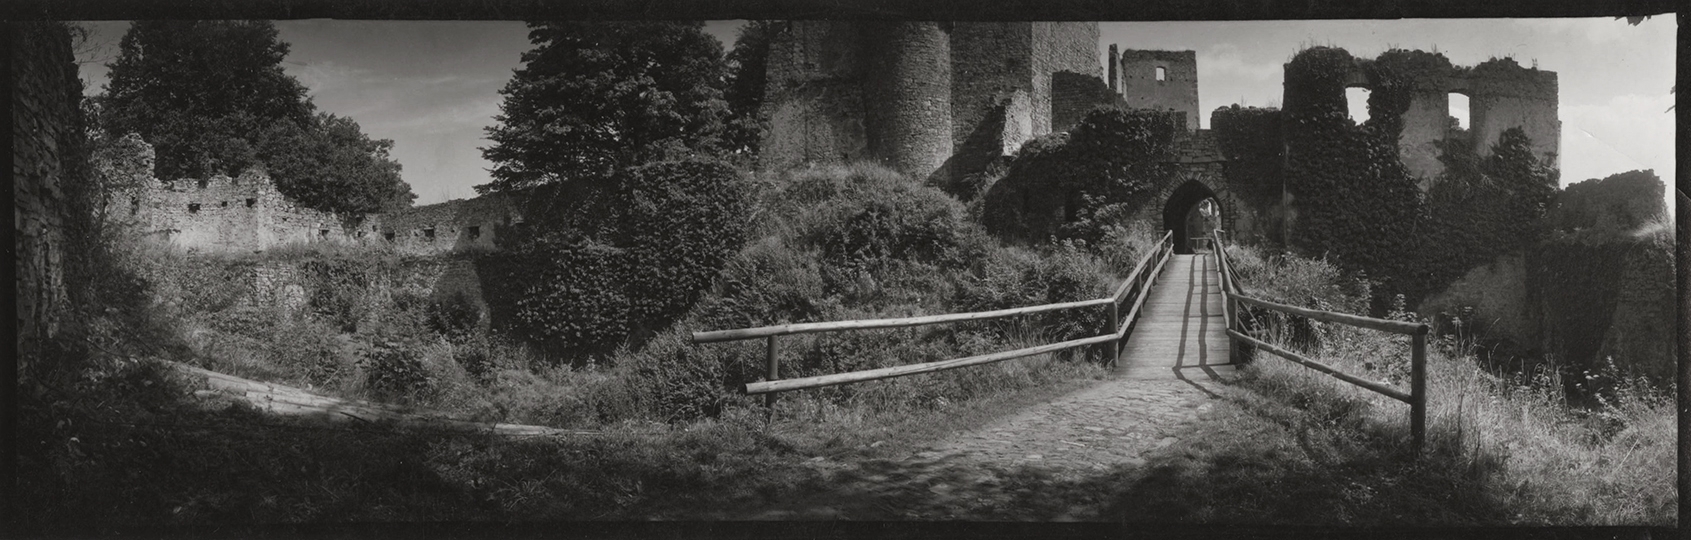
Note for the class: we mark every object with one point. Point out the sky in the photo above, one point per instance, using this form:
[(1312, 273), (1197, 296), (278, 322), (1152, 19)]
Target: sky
[(433, 86)]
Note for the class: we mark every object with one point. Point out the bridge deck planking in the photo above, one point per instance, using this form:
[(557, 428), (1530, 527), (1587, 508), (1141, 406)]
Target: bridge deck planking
[(1182, 333)]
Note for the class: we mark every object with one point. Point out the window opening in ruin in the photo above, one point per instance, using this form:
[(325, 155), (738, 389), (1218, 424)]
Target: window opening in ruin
[(193, 208), (202, 183), (222, 204), (428, 233), (1356, 101), (1461, 119), (475, 232), (1162, 73), (388, 236), (322, 233), (251, 202)]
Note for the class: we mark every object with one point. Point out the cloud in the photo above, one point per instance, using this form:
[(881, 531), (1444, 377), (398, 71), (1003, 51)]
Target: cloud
[(1630, 131), (472, 115), (1227, 60), (1596, 31), (326, 76)]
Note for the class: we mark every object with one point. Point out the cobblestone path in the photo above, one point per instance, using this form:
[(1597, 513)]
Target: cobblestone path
[(1055, 460)]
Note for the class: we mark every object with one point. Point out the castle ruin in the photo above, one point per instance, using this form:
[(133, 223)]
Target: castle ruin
[(247, 213)]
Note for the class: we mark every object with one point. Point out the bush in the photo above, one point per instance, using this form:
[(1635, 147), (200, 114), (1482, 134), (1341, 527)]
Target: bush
[(1019, 277), (619, 264), (455, 316), (392, 370), (1061, 185)]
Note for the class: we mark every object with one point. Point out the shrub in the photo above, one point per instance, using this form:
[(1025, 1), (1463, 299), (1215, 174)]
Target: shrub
[(454, 315), (618, 264), (392, 370)]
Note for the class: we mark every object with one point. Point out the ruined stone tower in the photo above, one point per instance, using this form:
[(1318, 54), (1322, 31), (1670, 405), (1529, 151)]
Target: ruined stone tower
[(1501, 95), (925, 98), (1157, 80)]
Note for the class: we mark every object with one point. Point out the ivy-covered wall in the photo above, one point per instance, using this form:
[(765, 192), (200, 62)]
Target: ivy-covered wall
[(1350, 198), (1249, 139)]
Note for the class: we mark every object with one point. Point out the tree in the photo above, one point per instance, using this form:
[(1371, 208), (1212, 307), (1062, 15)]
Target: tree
[(748, 78), (593, 97), (212, 98), (331, 164)]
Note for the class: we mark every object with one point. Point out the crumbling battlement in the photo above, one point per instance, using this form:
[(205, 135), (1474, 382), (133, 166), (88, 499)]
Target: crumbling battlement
[(248, 213), (1501, 95), (455, 225), (922, 97)]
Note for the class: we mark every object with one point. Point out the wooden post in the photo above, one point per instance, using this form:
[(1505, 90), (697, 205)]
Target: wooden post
[(773, 366), (1115, 326), (1418, 389)]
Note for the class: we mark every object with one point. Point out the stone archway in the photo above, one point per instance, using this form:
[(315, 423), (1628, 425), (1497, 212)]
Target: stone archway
[(1179, 206)]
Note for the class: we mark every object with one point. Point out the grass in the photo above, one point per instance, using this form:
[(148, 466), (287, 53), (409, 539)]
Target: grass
[(116, 440), (1502, 449)]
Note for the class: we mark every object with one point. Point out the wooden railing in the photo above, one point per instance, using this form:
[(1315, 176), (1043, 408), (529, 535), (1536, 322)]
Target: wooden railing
[(1417, 395), (1135, 286)]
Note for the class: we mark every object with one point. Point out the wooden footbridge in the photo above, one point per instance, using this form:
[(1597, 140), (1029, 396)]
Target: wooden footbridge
[(1175, 316)]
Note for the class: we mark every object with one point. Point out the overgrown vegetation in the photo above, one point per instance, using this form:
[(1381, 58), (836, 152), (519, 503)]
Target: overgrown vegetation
[(1079, 184), (1355, 201), (1512, 447)]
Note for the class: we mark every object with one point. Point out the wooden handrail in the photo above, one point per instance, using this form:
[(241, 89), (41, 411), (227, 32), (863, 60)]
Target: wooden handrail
[(783, 385), (1143, 289), (874, 324), (1384, 325), (1381, 388), (1131, 276), (1118, 329), (1417, 396)]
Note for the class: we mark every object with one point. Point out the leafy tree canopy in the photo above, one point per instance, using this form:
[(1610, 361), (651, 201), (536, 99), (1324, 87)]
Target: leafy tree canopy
[(212, 98), (593, 97)]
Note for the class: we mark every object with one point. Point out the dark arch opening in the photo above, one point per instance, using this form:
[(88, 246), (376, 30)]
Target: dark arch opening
[(1183, 207)]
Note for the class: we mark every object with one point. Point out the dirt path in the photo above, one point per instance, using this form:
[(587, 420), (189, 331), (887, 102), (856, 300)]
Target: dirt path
[(1053, 461)]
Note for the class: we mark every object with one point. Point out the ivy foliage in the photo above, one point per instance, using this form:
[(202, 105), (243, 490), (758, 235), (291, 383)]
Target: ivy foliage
[(1615, 205), (583, 275), (1249, 137), (748, 78), (1479, 209), (1066, 185), (1355, 202)]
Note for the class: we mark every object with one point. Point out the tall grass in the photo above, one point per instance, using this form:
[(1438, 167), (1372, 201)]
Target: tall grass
[(1514, 437)]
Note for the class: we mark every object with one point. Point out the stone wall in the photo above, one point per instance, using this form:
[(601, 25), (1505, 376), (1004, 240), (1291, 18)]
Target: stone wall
[(1075, 94), (924, 98), (907, 84), (1059, 47), (220, 213), (1178, 91), (247, 213), (458, 225), (47, 153), (1501, 95), (813, 98)]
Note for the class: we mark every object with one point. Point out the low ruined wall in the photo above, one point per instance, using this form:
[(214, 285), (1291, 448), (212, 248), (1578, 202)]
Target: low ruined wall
[(452, 226), (1495, 296)]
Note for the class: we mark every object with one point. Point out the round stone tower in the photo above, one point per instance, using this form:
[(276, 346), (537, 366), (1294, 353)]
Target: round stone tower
[(907, 95)]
